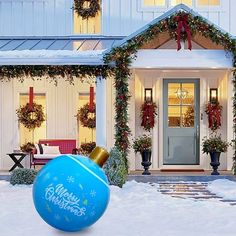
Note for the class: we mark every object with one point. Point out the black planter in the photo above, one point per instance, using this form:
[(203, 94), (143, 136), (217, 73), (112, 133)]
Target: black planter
[(146, 161), (215, 162)]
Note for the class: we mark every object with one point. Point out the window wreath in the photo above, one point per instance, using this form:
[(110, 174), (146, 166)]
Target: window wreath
[(87, 116), (148, 114), (87, 12), (31, 118)]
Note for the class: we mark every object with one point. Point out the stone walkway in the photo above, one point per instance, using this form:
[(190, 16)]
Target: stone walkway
[(189, 190)]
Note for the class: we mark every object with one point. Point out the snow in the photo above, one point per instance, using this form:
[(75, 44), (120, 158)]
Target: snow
[(135, 210), (50, 54), (224, 188)]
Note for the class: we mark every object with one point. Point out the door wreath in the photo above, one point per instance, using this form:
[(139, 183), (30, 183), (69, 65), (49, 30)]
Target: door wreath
[(86, 12), (87, 116), (31, 119)]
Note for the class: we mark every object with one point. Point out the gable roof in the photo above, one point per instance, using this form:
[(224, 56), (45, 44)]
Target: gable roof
[(171, 12)]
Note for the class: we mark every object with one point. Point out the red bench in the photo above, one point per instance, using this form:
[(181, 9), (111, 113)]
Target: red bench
[(66, 146)]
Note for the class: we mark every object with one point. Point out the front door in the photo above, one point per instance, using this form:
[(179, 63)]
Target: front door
[(181, 122)]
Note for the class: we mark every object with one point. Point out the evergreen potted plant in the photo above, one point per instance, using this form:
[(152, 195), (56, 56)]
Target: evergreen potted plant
[(214, 145), (143, 145)]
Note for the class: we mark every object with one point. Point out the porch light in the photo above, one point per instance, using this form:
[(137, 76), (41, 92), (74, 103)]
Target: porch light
[(148, 94), (213, 95), (181, 93)]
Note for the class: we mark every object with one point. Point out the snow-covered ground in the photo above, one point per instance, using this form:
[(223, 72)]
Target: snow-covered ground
[(135, 210)]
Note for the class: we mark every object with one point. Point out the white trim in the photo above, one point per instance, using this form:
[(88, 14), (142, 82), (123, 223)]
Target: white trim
[(195, 59)]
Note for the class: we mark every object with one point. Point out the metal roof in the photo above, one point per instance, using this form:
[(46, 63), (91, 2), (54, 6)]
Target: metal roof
[(80, 43)]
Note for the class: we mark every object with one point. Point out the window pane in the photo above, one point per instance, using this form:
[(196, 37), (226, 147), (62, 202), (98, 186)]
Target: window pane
[(174, 116), (208, 2), (187, 94), (188, 116), (154, 2), (186, 2), (173, 94)]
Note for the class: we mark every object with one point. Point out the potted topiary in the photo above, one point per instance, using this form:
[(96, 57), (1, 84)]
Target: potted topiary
[(143, 145), (214, 145)]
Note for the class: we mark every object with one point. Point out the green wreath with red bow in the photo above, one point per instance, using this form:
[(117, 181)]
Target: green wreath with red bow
[(87, 116), (87, 12), (31, 118)]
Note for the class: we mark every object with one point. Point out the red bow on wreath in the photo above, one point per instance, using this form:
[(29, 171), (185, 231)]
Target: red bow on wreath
[(213, 110), (148, 113), (183, 26)]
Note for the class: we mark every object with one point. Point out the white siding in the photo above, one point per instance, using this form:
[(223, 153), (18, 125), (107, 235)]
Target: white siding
[(119, 17), (35, 17)]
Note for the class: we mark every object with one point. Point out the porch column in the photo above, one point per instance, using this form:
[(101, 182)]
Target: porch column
[(101, 117)]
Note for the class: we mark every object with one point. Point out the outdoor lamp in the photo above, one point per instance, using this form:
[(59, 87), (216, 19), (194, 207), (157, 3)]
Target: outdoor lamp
[(148, 95), (213, 95)]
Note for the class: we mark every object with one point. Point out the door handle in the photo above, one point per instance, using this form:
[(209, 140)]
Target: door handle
[(194, 143), (168, 146), (197, 130)]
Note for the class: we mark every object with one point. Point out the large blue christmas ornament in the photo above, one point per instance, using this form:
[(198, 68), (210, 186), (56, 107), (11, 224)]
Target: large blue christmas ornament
[(71, 192)]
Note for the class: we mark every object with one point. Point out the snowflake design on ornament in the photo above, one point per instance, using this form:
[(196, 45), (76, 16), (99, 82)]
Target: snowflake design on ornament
[(93, 193), (70, 179), (81, 211), (92, 213)]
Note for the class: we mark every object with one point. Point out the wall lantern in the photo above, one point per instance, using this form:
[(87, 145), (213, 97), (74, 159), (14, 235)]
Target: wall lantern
[(213, 95), (148, 95)]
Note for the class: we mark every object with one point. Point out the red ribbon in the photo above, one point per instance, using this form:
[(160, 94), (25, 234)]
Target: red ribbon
[(183, 24), (31, 98), (91, 98)]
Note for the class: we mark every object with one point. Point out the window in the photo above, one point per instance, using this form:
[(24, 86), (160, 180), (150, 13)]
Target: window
[(208, 2), (85, 135), (33, 136), (154, 2), (186, 2), (91, 25)]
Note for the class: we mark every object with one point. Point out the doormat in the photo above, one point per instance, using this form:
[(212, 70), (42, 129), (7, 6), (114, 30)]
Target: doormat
[(182, 170)]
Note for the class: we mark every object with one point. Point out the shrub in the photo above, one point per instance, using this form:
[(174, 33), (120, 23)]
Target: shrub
[(214, 144), (116, 168), (142, 143), (87, 148), (23, 176)]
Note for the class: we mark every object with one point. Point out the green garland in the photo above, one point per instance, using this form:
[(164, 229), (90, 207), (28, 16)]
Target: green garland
[(122, 56), (86, 13), (54, 73)]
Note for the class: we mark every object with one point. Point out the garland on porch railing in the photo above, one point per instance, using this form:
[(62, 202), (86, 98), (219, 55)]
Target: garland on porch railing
[(54, 73), (124, 54)]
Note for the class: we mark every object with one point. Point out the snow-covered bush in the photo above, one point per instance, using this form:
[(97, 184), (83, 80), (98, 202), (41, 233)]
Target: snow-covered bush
[(116, 168), (23, 176)]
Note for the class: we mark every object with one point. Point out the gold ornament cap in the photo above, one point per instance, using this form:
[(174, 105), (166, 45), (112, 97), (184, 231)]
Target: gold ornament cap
[(99, 155)]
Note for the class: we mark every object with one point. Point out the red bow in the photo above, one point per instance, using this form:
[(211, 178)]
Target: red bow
[(183, 24)]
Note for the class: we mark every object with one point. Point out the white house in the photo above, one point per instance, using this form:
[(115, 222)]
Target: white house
[(49, 32)]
